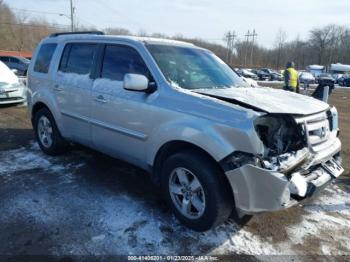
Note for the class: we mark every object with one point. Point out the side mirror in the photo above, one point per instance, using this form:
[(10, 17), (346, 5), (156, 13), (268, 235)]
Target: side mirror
[(136, 82)]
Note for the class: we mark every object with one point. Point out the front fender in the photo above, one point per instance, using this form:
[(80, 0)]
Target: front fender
[(218, 140)]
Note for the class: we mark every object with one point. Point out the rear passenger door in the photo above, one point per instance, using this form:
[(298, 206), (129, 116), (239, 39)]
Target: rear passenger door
[(121, 118), (72, 88)]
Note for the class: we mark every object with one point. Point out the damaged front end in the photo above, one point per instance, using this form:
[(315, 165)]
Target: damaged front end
[(301, 156)]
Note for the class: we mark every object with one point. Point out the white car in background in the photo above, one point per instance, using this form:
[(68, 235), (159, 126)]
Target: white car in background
[(250, 81), (306, 78), (11, 90), (248, 74)]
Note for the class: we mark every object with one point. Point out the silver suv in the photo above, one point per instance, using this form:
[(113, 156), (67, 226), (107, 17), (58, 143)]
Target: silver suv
[(215, 146)]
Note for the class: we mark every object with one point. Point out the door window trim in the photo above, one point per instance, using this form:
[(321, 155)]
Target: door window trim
[(102, 53), (95, 59)]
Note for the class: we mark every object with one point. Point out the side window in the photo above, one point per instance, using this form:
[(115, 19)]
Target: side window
[(120, 60), (44, 57), (4, 59), (78, 58), (14, 60)]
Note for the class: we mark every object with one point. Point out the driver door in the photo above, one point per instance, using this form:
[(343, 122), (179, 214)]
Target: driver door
[(121, 118)]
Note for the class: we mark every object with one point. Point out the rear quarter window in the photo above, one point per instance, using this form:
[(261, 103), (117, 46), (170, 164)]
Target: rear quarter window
[(44, 58), (4, 59)]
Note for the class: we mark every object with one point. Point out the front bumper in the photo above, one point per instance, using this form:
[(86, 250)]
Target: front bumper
[(260, 190), (12, 95)]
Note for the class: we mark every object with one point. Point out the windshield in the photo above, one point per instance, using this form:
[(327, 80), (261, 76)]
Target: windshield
[(193, 68)]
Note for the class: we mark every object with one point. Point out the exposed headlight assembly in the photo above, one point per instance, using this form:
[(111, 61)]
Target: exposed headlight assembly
[(238, 159)]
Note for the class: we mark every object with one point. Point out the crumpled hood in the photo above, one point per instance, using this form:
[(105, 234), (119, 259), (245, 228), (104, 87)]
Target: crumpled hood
[(268, 100)]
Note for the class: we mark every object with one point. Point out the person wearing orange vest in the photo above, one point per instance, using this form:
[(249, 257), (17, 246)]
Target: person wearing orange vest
[(291, 78)]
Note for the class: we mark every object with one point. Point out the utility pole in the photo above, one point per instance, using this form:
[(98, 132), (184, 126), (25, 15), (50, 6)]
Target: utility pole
[(230, 38), (246, 48), (72, 16), (254, 35)]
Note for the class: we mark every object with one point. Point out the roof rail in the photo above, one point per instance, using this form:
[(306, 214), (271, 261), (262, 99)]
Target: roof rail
[(78, 33)]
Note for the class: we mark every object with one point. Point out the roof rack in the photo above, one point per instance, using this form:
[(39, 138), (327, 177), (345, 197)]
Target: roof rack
[(78, 33)]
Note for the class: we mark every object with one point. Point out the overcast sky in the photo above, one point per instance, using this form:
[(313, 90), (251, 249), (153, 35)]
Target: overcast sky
[(206, 19)]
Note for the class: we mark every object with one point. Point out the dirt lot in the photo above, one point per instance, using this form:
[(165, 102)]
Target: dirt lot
[(87, 203)]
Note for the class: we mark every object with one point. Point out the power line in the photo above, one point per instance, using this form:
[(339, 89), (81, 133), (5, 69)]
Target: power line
[(69, 16), (32, 25), (35, 11)]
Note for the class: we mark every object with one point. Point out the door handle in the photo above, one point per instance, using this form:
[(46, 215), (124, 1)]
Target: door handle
[(58, 88), (100, 99)]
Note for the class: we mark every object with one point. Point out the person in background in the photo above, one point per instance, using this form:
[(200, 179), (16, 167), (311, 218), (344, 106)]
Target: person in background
[(291, 78)]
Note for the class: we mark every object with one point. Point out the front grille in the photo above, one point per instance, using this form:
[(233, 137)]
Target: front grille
[(317, 129)]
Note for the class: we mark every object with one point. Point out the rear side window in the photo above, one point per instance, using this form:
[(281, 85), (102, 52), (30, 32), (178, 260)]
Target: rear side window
[(78, 58), (44, 57), (14, 60), (4, 59), (120, 60)]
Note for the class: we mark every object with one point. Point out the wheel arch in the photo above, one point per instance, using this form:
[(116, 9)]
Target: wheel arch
[(36, 107), (175, 146), (170, 148), (40, 105)]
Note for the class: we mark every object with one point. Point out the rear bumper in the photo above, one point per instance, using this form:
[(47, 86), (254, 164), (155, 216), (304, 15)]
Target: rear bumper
[(261, 190)]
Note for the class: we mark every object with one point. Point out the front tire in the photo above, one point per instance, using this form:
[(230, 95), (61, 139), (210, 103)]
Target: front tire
[(47, 134), (196, 190)]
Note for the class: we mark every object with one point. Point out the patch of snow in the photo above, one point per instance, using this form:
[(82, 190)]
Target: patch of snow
[(125, 225), (230, 239), (330, 212), (29, 158), (98, 238)]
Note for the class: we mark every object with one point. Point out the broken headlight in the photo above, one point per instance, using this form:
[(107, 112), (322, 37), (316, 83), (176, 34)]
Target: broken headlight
[(280, 134), (238, 159)]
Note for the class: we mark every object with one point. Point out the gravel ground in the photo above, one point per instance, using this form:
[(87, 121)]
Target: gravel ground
[(85, 203)]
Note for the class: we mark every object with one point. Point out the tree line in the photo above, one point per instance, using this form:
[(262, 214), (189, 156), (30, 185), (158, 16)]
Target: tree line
[(324, 45)]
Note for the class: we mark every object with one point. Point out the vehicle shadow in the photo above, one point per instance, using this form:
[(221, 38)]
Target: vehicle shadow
[(12, 138)]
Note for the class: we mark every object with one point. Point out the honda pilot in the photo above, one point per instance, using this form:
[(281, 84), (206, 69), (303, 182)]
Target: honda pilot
[(215, 146)]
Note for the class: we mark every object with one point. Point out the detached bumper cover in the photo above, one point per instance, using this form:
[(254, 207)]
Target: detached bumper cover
[(259, 190)]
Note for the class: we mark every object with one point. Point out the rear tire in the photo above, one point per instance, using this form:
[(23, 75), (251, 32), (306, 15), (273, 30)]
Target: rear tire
[(47, 134), (210, 204)]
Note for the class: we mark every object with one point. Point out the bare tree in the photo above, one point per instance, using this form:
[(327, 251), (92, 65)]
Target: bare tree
[(117, 31), (325, 45), (280, 42)]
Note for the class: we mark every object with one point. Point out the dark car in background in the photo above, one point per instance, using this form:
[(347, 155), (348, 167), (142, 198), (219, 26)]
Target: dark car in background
[(261, 74), (19, 64), (344, 80), (273, 75), (247, 73), (326, 80)]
